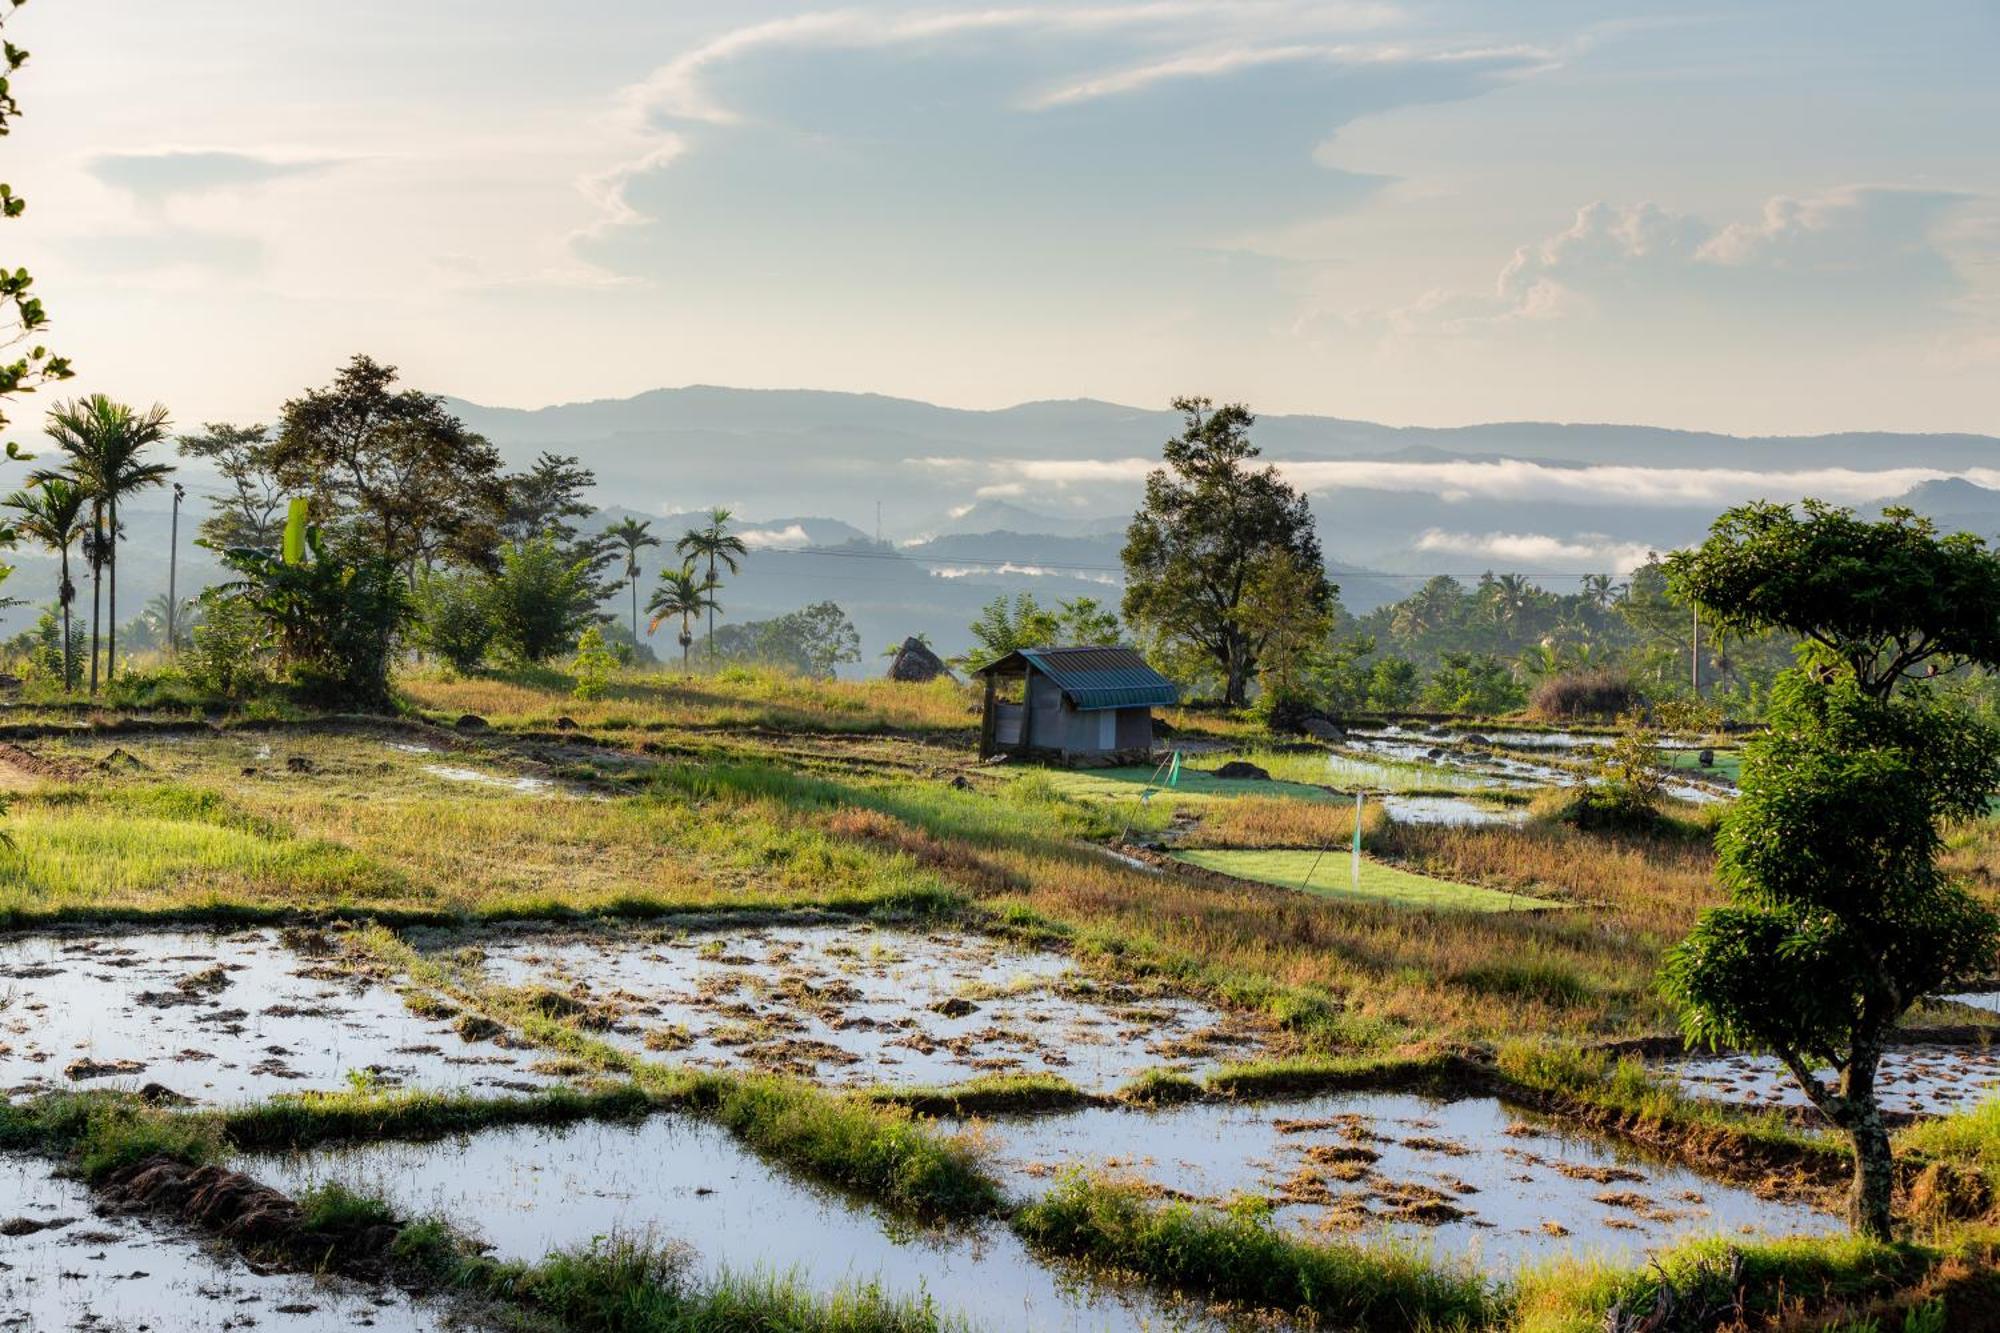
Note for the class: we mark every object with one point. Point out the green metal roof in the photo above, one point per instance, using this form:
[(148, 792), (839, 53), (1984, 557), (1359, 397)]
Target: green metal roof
[(1096, 678)]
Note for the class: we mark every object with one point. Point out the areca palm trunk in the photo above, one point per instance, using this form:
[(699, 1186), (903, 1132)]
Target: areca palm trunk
[(635, 612), (711, 609), (111, 624), (66, 594), (96, 587)]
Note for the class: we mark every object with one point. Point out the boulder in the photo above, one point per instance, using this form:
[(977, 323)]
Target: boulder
[(470, 722), (1322, 729), (1706, 758)]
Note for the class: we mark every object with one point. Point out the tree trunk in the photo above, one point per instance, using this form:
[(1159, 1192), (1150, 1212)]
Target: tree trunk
[(66, 594), (711, 612), (1869, 1205), (111, 625), (96, 593), (1236, 688), (635, 616)]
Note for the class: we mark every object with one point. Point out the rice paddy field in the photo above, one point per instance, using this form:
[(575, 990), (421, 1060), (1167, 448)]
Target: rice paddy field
[(755, 1003)]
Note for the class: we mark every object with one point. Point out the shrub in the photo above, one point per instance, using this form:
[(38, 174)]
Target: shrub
[(1586, 695), (541, 600), (454, 619), (593, 666), (225, 657)]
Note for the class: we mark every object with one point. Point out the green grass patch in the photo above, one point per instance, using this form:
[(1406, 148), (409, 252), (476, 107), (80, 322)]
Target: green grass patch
[(877, 1150), (1802, 1274), (292, 1122), (1329, 876), (1242, 1259)]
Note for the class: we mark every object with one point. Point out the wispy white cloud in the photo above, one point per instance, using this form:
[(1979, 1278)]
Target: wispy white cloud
[(762, 538), (1706, 488), (164, 173), (1590, 551), (1868, 252)]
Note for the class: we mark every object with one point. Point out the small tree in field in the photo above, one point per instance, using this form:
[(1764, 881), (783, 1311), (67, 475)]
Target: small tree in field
[(1841, 918)]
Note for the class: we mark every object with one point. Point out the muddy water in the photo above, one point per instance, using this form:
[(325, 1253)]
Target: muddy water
[(72, 1269), (220, 1018), (1457, 811), (1914, 1080), (853, 1005), (530, 1190), (1464, 1178)]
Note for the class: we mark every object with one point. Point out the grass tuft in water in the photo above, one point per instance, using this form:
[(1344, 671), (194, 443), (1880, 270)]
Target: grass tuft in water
[(1242, 1259)]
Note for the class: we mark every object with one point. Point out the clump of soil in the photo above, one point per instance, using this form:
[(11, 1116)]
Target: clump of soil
[(121, 760), (1241, 770), (477, 1027), (80, 1070)]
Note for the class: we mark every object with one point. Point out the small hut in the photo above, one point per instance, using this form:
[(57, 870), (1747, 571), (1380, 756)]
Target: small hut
[(915, 663), (1078, 705)]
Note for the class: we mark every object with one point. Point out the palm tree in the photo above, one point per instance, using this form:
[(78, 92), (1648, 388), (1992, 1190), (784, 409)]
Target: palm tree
[(681, 594), (106, 442), (715, 544), (632, 535), (51, 511)]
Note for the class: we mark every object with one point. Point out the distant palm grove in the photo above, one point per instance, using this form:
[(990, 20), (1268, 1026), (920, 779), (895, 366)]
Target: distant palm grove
[(368, 525)]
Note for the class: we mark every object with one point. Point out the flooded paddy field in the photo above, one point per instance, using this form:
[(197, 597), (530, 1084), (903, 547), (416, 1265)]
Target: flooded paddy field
[(526, 1191), (224, 1017), (1464, 1178), (1914, 1080), (853, 1005), (63, 1265)]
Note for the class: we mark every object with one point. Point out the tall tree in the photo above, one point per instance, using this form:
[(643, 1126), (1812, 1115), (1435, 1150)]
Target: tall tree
[(684, 595), (1841, 918), (1207, 521), (392, 473), (252, 513), (51, 511), (716, 545), (22, 315), (544, 499), (105, 444), (630, 536)]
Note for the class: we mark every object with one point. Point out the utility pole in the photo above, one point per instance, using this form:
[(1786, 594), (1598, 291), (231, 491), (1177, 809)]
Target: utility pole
[(1694, 658), (173, 568)]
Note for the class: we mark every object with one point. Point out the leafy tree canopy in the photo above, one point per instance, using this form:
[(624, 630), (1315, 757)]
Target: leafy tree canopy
[(392, 473), (1208, 523), (1887, 599)]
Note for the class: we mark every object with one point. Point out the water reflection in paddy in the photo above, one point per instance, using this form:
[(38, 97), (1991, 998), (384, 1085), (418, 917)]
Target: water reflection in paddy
[(64, 1267), (222, 1017), (1464, 1177), (853, 1004), (1914, 1080), (527, 1191)]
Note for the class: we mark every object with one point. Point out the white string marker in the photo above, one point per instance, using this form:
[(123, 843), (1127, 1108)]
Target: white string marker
[(1357, 841)]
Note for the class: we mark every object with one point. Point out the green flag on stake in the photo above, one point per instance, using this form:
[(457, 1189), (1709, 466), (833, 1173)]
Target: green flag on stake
[(1174, 772)]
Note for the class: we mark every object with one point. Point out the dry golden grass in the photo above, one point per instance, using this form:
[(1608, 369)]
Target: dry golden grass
[(737, 697), (1263, 821)]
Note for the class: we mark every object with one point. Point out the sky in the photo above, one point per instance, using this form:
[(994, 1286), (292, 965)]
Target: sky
[(1773, 218)]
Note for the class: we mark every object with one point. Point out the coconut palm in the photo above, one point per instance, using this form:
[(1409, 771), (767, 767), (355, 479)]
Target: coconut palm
[(632, 535), (51, 511), (106, 444), (681, 594), (715, 544)]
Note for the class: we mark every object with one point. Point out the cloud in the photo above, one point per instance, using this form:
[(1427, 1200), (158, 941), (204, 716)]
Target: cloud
[(1867, 257), (1590, 551), (1704, 488), (158, 176), (761, 538), (872, 152)]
